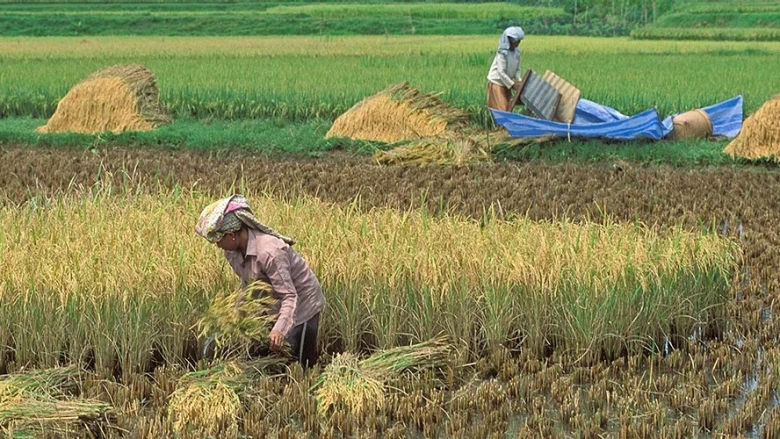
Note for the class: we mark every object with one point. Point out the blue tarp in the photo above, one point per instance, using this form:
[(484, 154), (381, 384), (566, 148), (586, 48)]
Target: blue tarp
[(595, 120)]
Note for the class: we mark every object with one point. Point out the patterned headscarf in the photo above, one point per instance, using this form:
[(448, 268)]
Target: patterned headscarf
[(228, 215), (514, 32)]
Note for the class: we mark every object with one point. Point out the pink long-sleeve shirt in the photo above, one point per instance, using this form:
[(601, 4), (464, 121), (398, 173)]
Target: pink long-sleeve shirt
[(272, 260)]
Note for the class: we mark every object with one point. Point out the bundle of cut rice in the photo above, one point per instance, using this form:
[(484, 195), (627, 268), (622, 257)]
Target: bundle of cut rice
[(398, 113), (351, 384), (464, 147), (41, 400), (240, 319), (208, 401), (760, 134), (51, 383), (118, 98), (449, 149)]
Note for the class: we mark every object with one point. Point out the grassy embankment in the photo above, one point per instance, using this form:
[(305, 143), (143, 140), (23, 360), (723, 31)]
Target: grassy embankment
[(725, 21), (266, 18)]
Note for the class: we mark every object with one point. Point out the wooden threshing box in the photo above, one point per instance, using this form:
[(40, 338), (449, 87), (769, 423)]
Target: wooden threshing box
[(539, 96), (570, 95)]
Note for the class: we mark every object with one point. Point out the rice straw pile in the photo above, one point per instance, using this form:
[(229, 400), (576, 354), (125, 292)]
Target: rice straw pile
[(208, 402), (241, 318), (760, 135), (425, 129), (357, 386), (397, 113), (43, 400), (119, 98)]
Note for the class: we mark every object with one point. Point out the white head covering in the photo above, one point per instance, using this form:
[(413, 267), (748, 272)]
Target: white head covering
[(229, 215), (514, 32)]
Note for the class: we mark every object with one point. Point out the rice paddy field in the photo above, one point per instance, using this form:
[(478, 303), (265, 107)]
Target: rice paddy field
[(530, 298)]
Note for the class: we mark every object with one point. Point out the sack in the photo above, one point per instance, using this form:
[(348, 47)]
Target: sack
[(694, 124)]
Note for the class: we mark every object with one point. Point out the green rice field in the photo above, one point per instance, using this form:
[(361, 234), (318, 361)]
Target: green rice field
[(299, 78)]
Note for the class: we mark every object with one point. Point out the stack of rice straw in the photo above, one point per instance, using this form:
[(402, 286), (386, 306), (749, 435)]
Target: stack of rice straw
[(421, 127), (358, 386), (43, 400), (760, 134)]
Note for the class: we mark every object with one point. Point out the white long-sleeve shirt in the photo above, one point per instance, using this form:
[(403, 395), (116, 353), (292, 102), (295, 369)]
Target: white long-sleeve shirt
[(505, 69)]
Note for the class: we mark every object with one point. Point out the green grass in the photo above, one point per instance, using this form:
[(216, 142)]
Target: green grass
[(275, 137), (270, 94), (267, 136), (731, 19), (675, 153), (272, 19)]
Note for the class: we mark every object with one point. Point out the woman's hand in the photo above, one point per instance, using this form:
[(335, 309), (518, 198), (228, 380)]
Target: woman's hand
[(276, 339)]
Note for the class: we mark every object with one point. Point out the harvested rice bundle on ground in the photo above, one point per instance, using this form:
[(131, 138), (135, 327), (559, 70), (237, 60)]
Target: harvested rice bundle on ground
[(468, 146), (40, 415), (448, 149), (760, 134), (354, 385), (398, 113), (208, 402), (42, 400), (240, 320), (50, 383), (119, 98)]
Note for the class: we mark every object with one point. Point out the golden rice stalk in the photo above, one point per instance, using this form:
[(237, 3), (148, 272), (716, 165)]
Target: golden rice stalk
[(452, 149), (350, 384), (431, 354), (760, 134), (119, 98), (207, 402), (462, 147), (28, 412), (242, 317)]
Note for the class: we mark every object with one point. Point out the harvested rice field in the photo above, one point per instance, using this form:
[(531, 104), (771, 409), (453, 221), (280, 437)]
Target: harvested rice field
[(494, 300)]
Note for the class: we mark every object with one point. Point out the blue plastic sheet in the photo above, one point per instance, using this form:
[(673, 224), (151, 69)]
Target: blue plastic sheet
[(593, 120)]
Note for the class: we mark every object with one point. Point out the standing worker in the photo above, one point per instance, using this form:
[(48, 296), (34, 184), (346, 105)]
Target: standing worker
[(504, 74), (257, 252)]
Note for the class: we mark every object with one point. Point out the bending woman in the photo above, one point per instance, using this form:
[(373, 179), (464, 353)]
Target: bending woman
[(257, 252)]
